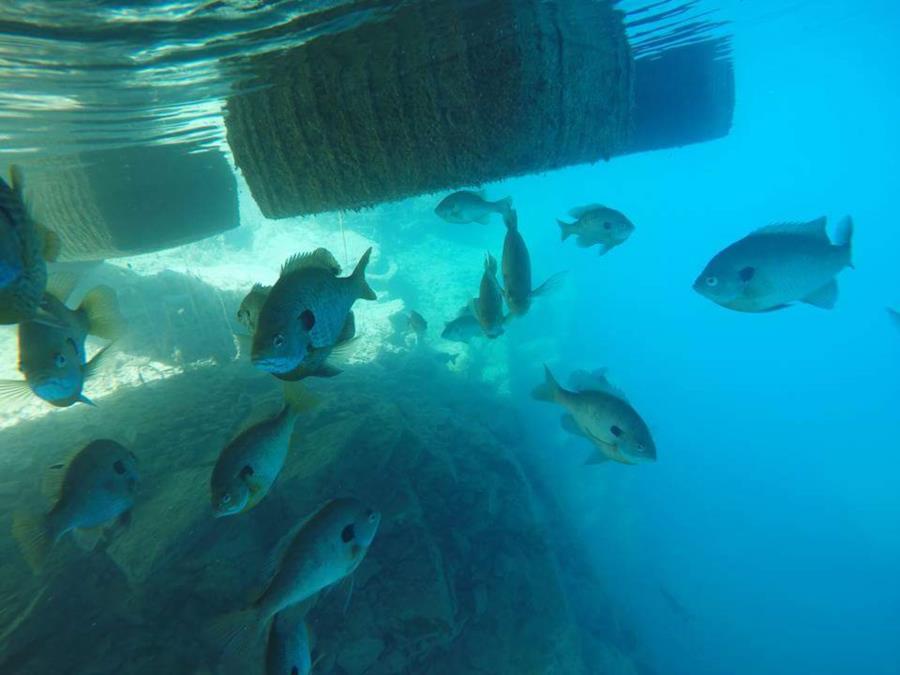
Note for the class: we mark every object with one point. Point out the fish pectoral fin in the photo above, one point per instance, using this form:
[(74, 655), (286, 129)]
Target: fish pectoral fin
[(52, 244), (92, 367), (551, 285), (13, 392), (326, 370), (569, 425), (87, 539), (596, 457), (825, 297)]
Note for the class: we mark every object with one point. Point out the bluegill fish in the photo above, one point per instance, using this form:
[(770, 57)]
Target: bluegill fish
[(306, 309), (97, 486), (487, 308), (316, 362), (466, 206), (463, 328), (600, 413), (289, 646), (516, 265), (248, 313), (52, 353), (597, 225), (777, 266), (25, 248), (324, 549), (895, 316), (249, 464), (417, 323)]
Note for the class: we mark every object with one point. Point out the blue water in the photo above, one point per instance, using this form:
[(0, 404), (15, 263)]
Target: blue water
[(772, 513), (766, 537)]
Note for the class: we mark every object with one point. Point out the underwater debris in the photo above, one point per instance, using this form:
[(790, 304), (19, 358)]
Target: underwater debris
[(779, 265)]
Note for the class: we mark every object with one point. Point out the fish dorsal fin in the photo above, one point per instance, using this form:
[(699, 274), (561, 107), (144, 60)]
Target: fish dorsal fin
[(814, 229), (579, 211), (582, 380), (321, 258), (17, 181), (262, 289), (61, 283), (54, 476)]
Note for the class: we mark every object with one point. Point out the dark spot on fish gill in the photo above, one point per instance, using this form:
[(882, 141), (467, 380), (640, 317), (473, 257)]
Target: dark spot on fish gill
[(348, 533), (747, 273), (246, 471), (606, 226), (119, 467), (295, 671), (616, 431), (307, 319)]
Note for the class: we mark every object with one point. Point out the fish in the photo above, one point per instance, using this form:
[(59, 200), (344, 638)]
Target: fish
[(25, 249), (248, 312), (516, 266), (597, 225), (52, 354), (417, 323), (599, 412), (466, 206), (463, 328), (288, 650), (487, 308), (306, 309), (96, 487), (248, 466), (316, 362), (777, 266), (895, 316), (322, 550)]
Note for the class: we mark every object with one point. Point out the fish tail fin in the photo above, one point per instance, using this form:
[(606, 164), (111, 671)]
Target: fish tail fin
[(490, 264), (844, 237), (101, 306), (233, 632), (32, 533), (551, 285), (51, 243), (565, 229), (504, 207), (298, 399), (358, 278), (549, 390)]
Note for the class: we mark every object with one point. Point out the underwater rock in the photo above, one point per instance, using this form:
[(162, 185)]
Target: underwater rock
[(461, 576)]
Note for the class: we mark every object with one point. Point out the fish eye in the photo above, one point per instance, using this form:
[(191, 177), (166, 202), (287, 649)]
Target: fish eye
[(712, 281), (348, 533), (59, 360), (372, 516), (226, 498), (278, 340), (616, 431)]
